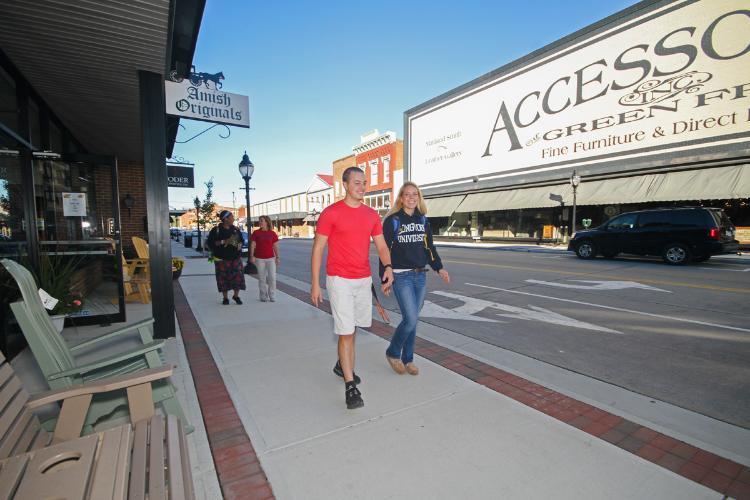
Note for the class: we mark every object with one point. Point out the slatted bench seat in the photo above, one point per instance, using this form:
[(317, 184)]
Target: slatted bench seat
[(147, 458)]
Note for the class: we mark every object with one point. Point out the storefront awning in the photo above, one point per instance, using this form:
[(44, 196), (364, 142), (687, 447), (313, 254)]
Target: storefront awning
[(720, 183), (83, 59), (443, 207), (479, 202), (537, 197), (288, 216)]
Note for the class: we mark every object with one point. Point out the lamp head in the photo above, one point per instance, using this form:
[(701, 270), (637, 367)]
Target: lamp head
[(575, 179), (246, 167)]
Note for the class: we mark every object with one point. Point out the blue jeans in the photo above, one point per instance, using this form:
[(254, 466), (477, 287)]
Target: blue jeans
[(410, 288)]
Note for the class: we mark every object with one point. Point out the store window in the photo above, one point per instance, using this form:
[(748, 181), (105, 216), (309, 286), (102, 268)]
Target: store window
[(78, 236)]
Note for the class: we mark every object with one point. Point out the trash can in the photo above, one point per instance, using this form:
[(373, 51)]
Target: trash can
[(188, 240)]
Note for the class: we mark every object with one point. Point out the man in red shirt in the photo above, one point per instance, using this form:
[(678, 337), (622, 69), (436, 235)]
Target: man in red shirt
[(346, 227)]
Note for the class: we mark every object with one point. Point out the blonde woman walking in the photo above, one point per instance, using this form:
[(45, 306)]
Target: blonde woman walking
[(409, 237)]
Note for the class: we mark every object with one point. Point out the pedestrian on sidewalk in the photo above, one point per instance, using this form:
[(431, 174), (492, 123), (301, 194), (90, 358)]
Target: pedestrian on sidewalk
[(408, 235), (346, 227), (225, 244), (264, 253)]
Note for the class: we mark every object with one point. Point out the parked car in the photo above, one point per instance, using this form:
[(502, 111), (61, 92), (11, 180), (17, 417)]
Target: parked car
[(678, 235)]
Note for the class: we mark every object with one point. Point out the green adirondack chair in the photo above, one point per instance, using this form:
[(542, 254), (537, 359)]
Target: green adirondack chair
[(58, 362)]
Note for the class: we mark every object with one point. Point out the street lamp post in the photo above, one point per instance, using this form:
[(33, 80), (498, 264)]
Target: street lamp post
[(246, 171), (575, 180)]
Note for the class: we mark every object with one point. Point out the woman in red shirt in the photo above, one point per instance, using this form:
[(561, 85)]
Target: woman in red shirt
[(264, 253)]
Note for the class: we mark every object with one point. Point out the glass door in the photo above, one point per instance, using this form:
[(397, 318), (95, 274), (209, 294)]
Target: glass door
[(78, 227)]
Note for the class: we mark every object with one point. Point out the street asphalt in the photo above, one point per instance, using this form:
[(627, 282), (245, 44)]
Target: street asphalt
[(677, 334)]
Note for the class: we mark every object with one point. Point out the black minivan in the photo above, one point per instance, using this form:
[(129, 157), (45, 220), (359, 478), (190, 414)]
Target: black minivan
[(679, 235)]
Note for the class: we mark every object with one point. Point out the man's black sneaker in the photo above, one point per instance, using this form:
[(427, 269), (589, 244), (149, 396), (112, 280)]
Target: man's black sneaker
[(353, 396), (338, 371), (238, 300), (225, 302)]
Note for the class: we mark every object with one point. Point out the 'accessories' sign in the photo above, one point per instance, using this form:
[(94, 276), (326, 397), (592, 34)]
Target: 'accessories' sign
[(657, 80), (180, 177), (194, 98)]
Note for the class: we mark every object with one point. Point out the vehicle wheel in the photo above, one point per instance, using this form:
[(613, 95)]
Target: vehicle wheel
[(610, 255), (676, 254), (586, 249), (702, 258)]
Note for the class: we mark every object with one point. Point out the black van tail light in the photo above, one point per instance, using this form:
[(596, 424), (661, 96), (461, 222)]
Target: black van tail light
[(714, 233)]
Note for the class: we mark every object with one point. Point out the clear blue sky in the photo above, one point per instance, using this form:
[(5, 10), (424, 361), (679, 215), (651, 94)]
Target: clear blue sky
[(319, 74)]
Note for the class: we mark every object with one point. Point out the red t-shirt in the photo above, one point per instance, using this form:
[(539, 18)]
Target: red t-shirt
[(264, 241), (349, 231)]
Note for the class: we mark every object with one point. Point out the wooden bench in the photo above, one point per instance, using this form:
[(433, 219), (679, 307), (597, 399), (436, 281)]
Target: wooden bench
[(147, 458)]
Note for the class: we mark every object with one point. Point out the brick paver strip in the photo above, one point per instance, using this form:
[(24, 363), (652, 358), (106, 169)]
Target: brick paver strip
[(239, 471), (718, 473)]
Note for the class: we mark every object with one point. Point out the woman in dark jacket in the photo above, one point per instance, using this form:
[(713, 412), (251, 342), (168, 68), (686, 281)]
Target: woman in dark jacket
[(408, 235), (225, 244)]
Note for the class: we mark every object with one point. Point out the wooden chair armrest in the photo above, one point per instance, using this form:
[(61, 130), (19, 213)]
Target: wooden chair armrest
[(117, 358), (99, 386), (116, 333)]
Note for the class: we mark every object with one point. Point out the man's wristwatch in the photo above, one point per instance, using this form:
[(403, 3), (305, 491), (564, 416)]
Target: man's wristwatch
[(387, 266)]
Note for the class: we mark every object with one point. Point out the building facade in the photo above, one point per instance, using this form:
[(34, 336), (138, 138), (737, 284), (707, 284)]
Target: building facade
[(294, 215), (380, 156), (82, 173), (648, 106)]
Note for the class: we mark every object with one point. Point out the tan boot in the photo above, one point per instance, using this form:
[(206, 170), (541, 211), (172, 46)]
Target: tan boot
[(411, 369), (397, 365)]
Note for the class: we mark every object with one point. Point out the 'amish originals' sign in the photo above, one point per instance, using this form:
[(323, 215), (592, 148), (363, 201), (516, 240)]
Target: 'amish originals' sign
[(197, 99), (180, 177)]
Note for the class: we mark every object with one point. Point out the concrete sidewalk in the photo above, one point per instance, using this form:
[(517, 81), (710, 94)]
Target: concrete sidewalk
[(437, 435)]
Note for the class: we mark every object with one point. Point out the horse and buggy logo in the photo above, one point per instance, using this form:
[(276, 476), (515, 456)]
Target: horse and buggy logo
[(199, 78)]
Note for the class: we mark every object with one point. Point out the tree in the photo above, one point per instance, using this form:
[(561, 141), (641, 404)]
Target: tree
[(205, 211)]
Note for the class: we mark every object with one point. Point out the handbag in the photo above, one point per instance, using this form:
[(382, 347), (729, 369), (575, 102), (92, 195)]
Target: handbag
[(251, 268)]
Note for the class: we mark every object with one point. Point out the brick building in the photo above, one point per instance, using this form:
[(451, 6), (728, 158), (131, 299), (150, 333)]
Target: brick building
[(381, 157)]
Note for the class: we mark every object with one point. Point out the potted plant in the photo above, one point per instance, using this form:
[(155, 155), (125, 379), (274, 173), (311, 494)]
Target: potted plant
[(70, 304), (54, 276), (177, 265)]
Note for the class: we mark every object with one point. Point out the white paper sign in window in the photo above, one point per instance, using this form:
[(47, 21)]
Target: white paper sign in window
[(74, 204)]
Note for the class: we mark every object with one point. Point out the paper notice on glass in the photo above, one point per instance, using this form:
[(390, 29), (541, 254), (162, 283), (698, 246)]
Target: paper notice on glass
[(74, 204), (48, 300)]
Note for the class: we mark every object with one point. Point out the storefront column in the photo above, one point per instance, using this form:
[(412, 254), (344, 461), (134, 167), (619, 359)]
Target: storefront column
[(153, 124)]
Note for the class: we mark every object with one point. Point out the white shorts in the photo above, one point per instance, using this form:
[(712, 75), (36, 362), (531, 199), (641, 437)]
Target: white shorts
[(351, 303)]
